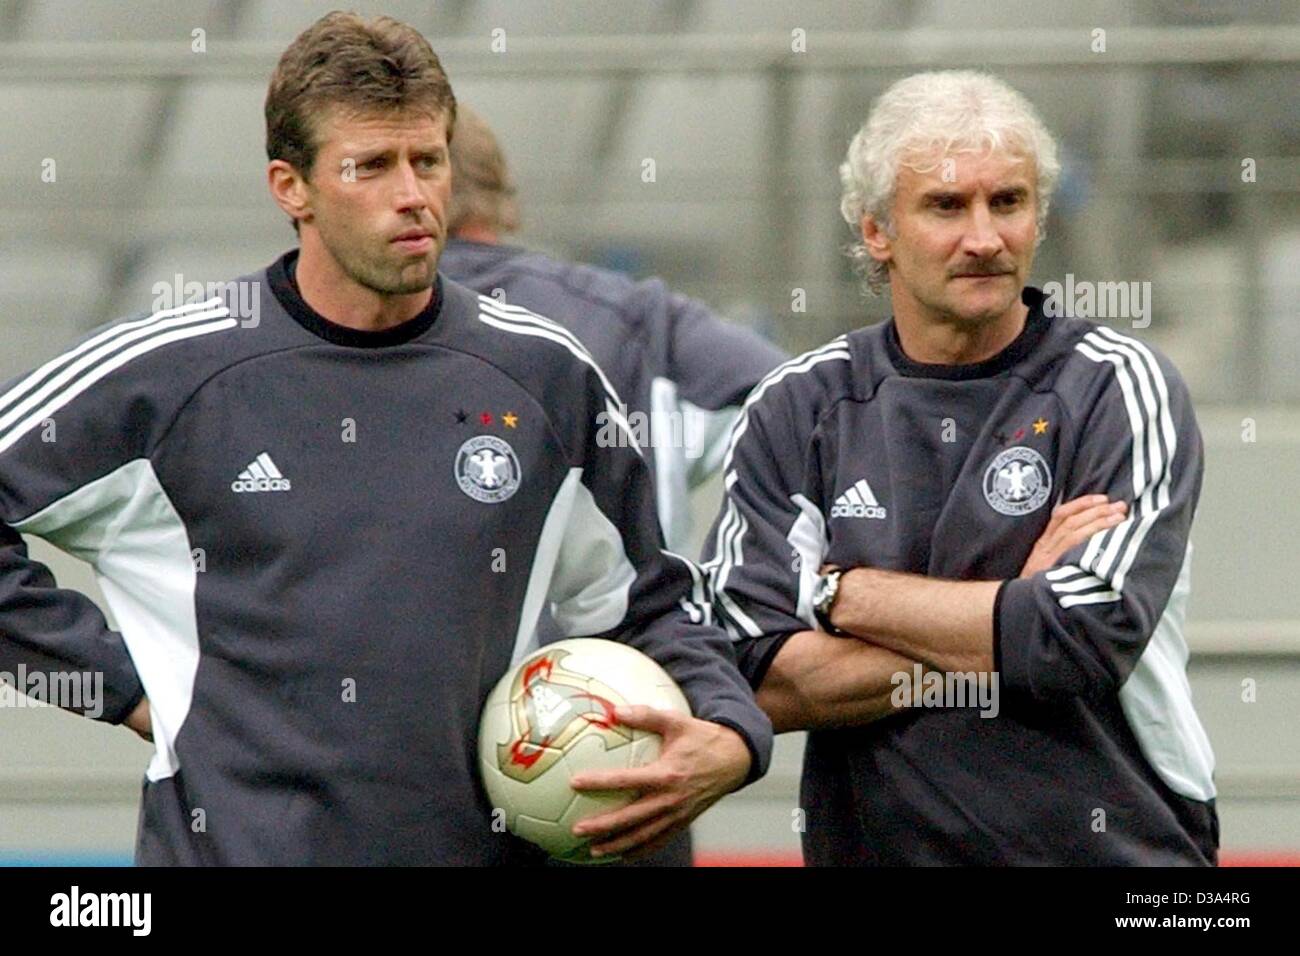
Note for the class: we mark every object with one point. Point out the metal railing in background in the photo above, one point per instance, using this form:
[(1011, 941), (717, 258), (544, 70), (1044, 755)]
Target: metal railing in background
[(534, 56)]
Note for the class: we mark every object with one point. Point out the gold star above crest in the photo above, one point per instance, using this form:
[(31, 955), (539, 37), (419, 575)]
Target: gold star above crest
[(510, 419), (1040, 427)]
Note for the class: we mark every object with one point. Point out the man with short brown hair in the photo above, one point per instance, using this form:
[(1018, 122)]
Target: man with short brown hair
[(328, 529)]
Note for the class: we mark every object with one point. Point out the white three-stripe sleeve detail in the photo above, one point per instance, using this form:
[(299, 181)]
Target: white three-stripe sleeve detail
[(730, 531), (1166, 423), (1153, 495), (1138, 427), (99, 371), (70, 372), (24, 388), (1156, 462)]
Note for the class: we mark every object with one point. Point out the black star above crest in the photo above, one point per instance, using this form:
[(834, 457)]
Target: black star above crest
[(461, 416), (1001, 437)]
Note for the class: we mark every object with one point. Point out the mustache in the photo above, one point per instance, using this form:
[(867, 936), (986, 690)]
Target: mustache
[(991, 267)]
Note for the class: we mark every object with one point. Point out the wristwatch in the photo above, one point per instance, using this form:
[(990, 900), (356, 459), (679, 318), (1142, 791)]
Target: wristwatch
[(823, 599)]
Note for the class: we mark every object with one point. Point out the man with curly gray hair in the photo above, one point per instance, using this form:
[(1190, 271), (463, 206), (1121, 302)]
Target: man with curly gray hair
[(954, 545), (925, 121)]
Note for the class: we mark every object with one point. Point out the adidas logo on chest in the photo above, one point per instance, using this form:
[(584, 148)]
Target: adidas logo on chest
[(260, 475), (858, 502)]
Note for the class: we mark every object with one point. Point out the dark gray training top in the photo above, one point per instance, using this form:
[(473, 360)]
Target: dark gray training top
[(855, 455), (323, 547)]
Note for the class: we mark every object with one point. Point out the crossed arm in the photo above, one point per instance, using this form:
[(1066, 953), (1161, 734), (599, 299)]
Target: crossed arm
[(894, 621)]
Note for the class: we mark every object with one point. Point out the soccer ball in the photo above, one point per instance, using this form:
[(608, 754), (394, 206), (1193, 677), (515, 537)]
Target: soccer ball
[(553, 716)]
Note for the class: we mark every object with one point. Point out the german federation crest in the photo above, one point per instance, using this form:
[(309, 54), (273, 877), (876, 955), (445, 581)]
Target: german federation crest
[(1017, 482), (487, 469)]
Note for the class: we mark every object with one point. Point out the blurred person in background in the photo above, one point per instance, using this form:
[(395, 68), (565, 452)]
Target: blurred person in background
[(682, 372), (888, 559)]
